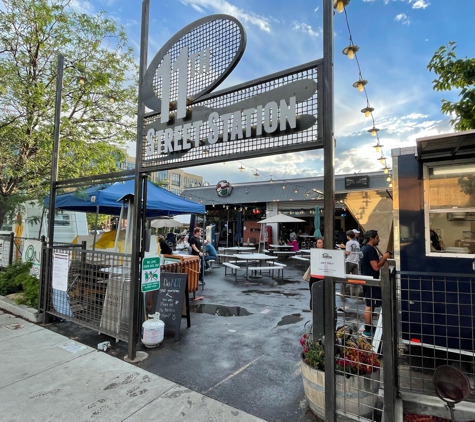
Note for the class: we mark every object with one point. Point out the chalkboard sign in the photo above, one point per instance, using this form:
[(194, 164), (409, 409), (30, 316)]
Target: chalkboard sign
[(170, 298)]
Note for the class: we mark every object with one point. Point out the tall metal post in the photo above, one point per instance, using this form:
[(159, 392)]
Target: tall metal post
[(329, 205), (54, 178), (136, 224)]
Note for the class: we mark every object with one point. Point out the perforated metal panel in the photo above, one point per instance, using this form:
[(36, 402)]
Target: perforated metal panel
[(228, 101)]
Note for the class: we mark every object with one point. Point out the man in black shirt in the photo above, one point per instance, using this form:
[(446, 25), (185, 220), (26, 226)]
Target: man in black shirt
[(370, 264)]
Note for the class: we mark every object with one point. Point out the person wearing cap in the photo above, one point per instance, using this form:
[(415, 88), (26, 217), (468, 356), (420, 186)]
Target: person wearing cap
[(352, 252), (370, 264), (210, 253)]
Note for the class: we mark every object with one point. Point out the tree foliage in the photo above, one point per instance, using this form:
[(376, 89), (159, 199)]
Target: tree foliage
[(455, 73), (32, 34)]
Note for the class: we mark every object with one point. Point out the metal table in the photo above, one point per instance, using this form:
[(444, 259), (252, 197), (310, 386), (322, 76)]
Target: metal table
[(249, 257)]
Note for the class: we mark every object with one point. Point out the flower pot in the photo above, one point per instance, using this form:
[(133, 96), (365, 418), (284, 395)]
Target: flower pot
[(355, 395)]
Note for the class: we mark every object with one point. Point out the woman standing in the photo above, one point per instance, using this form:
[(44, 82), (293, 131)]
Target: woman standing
[(315, 278)]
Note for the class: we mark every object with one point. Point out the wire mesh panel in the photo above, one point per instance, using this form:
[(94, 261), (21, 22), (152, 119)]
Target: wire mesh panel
[(93, 289), (6, 249), (237, 129), (359, 359), (437, 327)]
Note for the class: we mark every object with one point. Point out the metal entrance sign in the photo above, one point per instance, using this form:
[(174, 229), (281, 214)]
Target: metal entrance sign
[(150, 274), (192, 125)]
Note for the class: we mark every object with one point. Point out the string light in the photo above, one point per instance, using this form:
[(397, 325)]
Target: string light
[(340, 5), (373, 131), (367, 111), (360, 84), (350, 51), (256, 174), (241, 168), (378, 146)]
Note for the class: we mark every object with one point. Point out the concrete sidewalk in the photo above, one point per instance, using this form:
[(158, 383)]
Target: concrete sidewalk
[(49, 377)]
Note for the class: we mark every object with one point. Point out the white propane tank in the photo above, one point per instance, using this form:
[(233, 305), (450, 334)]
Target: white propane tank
[(152, 331)]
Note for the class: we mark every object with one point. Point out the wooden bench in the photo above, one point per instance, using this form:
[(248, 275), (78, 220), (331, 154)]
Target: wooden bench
[(234, 269), (271, 268)]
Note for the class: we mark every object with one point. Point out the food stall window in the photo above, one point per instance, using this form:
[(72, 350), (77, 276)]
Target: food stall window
[(449, 209)]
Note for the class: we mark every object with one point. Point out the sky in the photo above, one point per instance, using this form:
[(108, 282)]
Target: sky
[(397, 39)]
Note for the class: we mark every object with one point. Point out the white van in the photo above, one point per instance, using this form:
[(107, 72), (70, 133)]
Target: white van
[(67, 224)]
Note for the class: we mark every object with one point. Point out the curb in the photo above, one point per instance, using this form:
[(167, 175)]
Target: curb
[(23, 311)]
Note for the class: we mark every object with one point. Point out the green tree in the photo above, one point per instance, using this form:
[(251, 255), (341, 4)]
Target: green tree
[(96, 51), (455, 73)]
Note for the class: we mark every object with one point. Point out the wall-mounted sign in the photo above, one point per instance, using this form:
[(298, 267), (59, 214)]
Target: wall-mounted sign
[(188, 127), (356, 182), (224, 188)]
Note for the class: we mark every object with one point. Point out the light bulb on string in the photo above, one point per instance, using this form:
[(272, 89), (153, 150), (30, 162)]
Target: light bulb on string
[(367, 111), (340, 5), (373, 131), (256, 174), (378, 146), (241, 168), (388, 178), (386, 169), (360, 84), (382, 159), (350, 51)]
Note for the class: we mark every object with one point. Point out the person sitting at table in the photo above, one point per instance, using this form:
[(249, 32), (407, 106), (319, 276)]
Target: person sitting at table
[(182, 243), (210, 253), (164, 246), (295, 245), (281, 241)]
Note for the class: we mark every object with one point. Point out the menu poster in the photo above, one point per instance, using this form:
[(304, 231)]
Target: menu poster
[(169, 300), (60, 271)]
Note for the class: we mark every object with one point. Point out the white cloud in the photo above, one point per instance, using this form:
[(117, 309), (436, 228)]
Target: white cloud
[(82, 6), (420, 4), (402, 17), (222, 6), (307, 29)]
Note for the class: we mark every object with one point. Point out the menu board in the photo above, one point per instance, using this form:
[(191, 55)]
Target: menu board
[(170, 298)]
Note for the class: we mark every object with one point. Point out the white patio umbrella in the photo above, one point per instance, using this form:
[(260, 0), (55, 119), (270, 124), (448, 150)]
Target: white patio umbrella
[(165, 222), (281, 218)]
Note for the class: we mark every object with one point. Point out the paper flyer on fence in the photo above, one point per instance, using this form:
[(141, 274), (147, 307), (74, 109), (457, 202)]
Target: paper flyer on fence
[(328, 262)]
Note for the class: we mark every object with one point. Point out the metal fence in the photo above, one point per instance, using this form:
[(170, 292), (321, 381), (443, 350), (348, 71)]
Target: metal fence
[(365, 361), (437, 326)]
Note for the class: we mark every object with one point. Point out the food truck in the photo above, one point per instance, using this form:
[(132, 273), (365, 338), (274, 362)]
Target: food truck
[(434, 236)]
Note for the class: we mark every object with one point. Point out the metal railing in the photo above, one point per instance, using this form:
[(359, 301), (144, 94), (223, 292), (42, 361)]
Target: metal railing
[(437, 320)]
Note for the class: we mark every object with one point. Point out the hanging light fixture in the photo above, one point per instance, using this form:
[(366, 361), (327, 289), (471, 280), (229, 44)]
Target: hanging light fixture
[(339, 5), (378, 146), (271, 181), (350, 51), (283, 185), (241, 168), (81, 80), (373, 131), (296, 190), (212, 204), (367, 111), (390, 184), (360, 84), (382, 159), (386, 169), (256, 174), (388, 178)]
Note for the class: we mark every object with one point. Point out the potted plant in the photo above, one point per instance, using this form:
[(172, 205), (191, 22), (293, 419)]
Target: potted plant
[(357, 373)]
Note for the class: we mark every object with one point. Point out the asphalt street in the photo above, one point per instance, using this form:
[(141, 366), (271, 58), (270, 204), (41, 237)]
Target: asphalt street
[(242, 348)]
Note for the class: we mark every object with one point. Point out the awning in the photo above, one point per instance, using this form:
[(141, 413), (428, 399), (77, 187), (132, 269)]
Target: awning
[(458, 145)]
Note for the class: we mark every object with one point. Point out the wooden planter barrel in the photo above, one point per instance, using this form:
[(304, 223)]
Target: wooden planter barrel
[(356, 395)]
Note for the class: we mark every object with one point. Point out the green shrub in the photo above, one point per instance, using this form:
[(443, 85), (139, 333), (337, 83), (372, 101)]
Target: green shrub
[(17, 279), (10, 279)]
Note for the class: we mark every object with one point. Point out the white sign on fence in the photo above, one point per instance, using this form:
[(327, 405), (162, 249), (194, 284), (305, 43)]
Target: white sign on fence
[(32, 253), (60, 271), (328, 262)]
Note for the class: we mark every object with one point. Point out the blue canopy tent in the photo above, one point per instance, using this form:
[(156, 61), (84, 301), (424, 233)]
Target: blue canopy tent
[(106, 200)]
